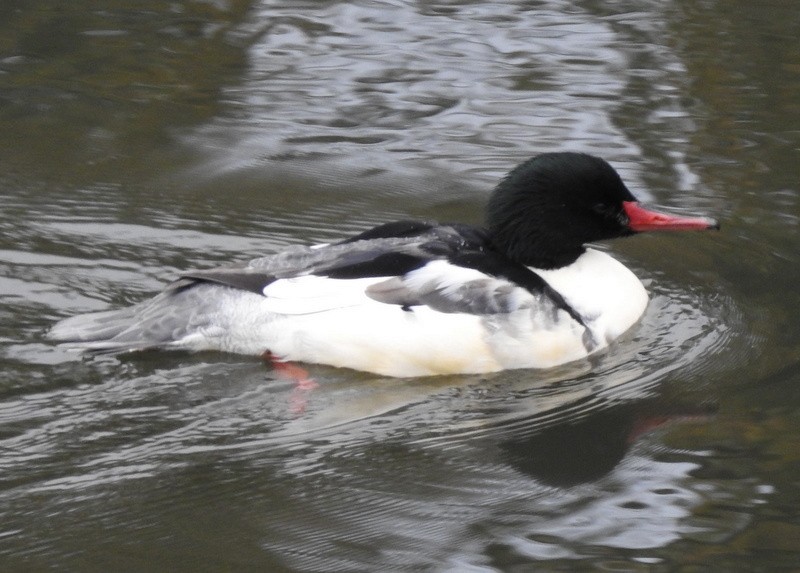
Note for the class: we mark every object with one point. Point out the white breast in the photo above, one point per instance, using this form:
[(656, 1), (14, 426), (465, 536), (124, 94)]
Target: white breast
[(603, 291)]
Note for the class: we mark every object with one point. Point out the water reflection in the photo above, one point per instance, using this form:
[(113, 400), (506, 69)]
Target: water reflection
[(585, 449), (610, 492), (356, 492)]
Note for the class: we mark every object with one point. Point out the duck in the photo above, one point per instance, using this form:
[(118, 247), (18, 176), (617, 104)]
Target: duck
[(420, 298)]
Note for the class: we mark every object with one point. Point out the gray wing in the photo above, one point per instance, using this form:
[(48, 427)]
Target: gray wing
[(446, 288)]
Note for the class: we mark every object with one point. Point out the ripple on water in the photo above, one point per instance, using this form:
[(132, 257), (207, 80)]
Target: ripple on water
[(479, 82)]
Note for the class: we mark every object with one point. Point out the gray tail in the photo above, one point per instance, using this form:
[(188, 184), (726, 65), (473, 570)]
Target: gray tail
[(99, 332), (160, 322)]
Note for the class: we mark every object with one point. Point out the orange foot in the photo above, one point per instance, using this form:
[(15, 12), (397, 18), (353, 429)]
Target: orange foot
[(304, 384)]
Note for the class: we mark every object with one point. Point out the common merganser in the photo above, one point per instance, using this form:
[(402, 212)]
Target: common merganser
[(414, 298)]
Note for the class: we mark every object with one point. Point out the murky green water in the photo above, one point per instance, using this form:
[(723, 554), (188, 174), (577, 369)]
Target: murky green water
[(139, 139)]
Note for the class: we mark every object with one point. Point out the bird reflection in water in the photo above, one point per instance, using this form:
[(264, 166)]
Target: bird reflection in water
[(582, 450)]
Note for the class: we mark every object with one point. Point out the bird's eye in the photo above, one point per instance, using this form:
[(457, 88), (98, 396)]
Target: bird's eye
[(610, 212)]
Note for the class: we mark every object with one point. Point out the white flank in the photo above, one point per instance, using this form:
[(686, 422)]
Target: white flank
[(332, 321)]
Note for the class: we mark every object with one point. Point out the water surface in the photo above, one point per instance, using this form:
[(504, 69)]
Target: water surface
[(139, 141)]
